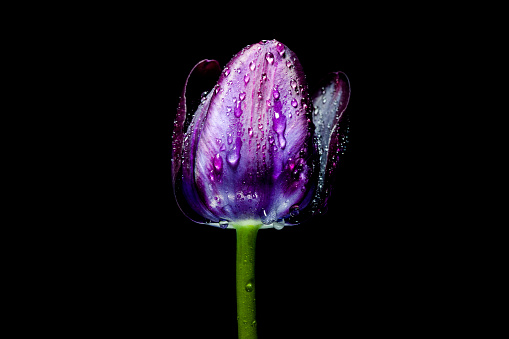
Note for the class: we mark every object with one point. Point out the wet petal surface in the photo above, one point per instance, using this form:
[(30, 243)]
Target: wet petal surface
[(332, 125), (253, 158)]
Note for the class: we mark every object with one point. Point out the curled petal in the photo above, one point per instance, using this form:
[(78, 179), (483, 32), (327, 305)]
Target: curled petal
[(331, 124), (186, 135)]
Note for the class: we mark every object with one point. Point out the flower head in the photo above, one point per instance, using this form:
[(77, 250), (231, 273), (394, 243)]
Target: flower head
[(256, 148)]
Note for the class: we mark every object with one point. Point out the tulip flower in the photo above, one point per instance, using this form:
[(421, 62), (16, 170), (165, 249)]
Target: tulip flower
[(255, 150)]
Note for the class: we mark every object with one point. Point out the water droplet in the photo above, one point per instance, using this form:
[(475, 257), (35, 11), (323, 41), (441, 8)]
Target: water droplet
[(294, 210), (279, 225), (238, 110), (242, 96), (250, 131), (288, 63), (280, 48), (223, 224), (249, 287), (218, 163), (294, 102), (275, 93), (246, 78), (233, 155), (270, 58), (252, 65), (229, 139), (226, 71), (293, 83)]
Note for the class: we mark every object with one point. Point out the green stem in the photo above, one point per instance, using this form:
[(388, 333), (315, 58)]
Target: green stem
[(246, 305)]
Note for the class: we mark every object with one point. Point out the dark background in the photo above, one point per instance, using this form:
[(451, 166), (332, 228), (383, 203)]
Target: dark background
[(123, 259)]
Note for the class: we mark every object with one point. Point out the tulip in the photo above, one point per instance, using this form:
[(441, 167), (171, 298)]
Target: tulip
[(255, 150)]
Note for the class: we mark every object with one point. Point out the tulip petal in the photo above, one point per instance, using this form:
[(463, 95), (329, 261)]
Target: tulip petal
[(253, 158), (331, 125), (185, 138)]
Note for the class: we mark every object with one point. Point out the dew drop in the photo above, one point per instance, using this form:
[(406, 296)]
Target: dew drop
[(226, 71), (233, 155), (250, 131), (249, 287), (279, 225), (242, 96), (270, 57), (229, 139), (252, 65), (294, 210), (237, 110), (288, 63), (218, 163), (246, 78), (294, 102), (275, 93), (280, 48), (293, 83), (223, 224)]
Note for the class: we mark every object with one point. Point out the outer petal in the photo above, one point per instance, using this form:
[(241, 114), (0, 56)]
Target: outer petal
[(253, 160), (331, 125), (185, 139)]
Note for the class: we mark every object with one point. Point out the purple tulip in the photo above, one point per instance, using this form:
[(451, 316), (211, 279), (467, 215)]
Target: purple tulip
[(256, 148)]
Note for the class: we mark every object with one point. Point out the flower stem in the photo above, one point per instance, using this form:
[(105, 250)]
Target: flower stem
[(245, 273)]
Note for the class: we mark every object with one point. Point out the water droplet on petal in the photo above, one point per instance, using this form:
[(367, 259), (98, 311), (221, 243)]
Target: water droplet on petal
[(279, 225), (237, 110), (294, 102), (218, 163), (270, 57), (233, 155), (252, 65), (223, 224), (275, 93), (242, 96), (293, 83), (226, 71), (280, 48), (294, 210), (246, 78)]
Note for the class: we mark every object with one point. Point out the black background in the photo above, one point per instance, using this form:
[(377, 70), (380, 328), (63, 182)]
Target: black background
[(122, 258)]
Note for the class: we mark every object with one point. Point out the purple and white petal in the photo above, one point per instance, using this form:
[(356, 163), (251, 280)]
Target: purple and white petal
[(185, 139), (253, 159), (331, 127)]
